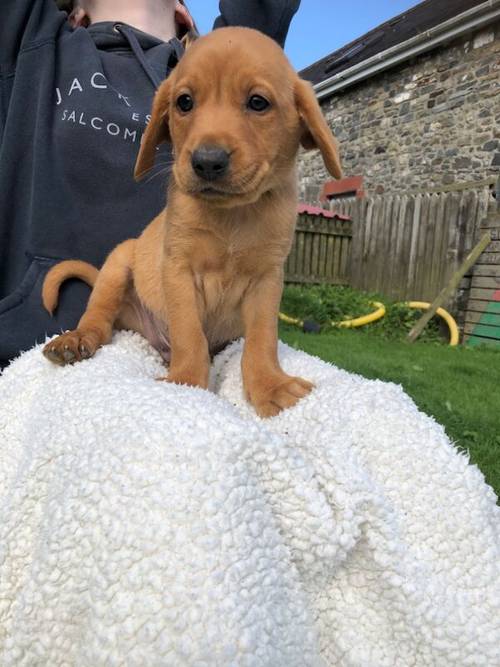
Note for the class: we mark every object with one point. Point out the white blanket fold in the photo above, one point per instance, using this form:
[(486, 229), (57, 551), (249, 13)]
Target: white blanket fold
[(143, 523)]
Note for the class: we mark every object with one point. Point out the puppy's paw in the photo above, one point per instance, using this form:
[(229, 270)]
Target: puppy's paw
[(271, 397), (192, 378), (72, 346)]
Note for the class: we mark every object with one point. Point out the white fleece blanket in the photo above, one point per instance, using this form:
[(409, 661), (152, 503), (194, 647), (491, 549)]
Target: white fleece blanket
[(146, 524)]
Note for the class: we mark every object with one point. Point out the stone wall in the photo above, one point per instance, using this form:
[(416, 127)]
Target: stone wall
[(429, 122)]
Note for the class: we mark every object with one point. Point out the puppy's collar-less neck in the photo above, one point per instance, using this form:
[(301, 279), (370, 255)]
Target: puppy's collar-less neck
[(222, 219)]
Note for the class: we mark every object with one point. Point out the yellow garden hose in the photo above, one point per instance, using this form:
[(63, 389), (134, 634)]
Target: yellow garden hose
[(364, 319), (450, 321), (356, 322), (379, 313), (290, 320)]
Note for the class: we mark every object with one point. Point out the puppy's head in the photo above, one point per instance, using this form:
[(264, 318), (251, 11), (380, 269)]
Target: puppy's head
[(236, 113)]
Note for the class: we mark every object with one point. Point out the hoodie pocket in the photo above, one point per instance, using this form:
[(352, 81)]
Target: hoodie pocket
[(23, 319)]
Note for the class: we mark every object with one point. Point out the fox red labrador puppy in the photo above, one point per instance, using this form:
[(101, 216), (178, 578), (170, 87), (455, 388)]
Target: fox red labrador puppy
[(209, 268)]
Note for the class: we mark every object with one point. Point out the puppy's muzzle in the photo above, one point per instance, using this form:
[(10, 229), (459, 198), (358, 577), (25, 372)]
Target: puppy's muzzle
[(211, 163)]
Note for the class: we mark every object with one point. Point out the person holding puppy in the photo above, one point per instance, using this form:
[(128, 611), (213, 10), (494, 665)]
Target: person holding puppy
[(76, 93)]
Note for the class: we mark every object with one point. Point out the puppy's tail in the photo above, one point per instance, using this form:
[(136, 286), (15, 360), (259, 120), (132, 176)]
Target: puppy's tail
[(71, 268)]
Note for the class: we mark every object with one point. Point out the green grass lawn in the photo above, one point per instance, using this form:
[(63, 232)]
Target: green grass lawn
[(459, 387)]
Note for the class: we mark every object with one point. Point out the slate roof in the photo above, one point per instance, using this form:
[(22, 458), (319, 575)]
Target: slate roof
[(410, 23)]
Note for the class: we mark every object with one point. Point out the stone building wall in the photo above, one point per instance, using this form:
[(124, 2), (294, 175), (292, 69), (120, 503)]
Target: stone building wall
[(429, 122)]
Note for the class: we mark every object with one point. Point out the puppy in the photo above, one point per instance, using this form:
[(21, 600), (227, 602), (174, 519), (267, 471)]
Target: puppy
[(209, 268)]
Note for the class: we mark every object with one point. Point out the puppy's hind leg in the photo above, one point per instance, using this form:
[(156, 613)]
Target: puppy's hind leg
[(96, 325)]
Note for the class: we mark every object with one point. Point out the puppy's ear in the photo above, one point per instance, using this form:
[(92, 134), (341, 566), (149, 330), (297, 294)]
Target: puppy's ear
[(316, 133), (189, 38), (156, 131)]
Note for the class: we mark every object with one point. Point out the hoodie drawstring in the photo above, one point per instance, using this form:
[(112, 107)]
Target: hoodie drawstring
[(128, 33)]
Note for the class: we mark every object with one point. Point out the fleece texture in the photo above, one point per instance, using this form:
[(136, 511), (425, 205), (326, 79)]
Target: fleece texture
[(143, 523)]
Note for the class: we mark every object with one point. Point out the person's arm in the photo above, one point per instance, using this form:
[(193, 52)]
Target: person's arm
[(23, 22), (272, 17)]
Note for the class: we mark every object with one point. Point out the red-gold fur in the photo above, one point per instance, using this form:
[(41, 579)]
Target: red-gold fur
[(210, 265)]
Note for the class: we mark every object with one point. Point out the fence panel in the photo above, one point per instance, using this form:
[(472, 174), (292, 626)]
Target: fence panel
[(407, 246), (320, 252)]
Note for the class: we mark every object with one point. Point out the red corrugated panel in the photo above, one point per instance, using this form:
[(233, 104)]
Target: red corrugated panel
[(322, 212)]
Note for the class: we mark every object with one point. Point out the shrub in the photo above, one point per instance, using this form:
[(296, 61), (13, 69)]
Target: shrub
[(326, 303)]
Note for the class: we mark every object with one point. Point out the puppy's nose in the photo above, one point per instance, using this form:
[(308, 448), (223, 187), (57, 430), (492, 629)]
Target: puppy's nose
[(210, 162)]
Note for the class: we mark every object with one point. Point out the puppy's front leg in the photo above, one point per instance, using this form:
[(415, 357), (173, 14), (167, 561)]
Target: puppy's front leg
[(190, 360), (266, 385)]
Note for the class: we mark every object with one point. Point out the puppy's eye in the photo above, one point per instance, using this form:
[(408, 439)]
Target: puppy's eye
[(258, 103), (185, 103)]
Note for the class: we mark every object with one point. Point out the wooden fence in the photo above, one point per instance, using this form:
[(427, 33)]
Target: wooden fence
[(320, 252), (408, 246), (405, 246)]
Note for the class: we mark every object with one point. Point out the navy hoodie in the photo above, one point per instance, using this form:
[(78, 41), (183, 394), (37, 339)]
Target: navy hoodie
[(73, 106)]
